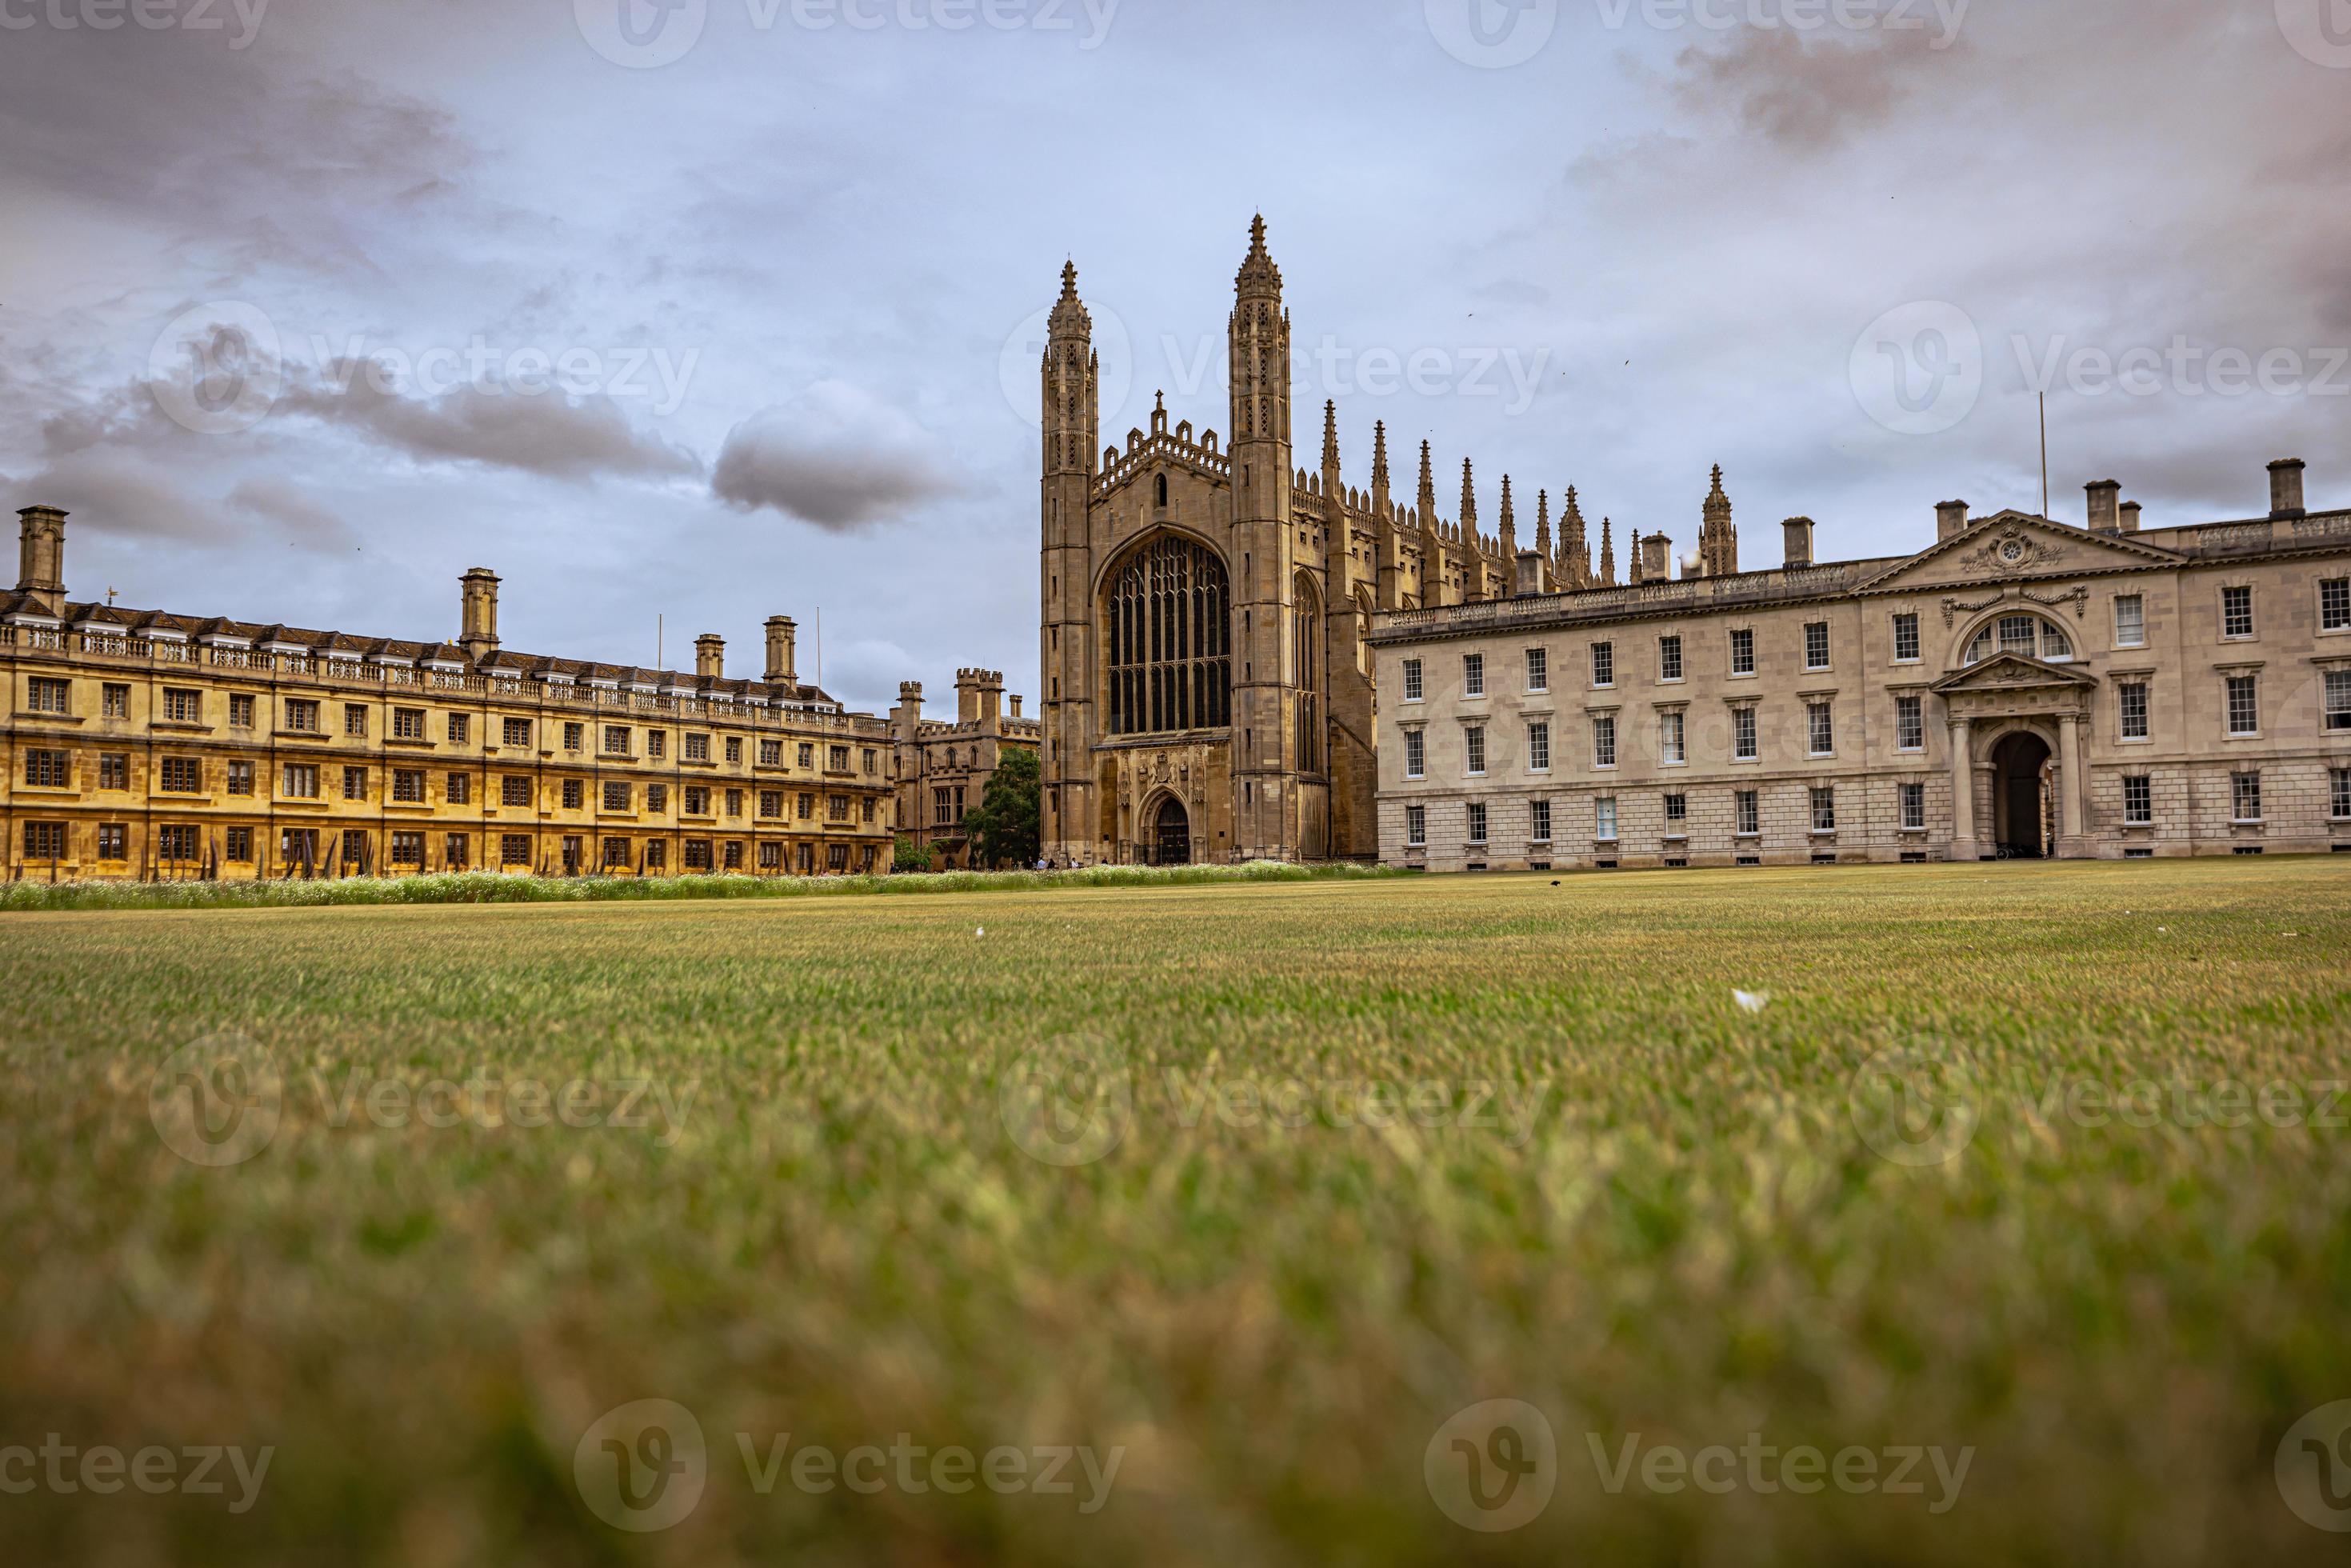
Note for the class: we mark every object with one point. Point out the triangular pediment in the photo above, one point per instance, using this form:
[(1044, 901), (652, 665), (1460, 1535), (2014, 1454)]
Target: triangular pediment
[(2016, 547), (2010, 672)]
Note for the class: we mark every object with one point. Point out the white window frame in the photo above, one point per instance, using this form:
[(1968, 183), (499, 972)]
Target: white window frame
[(1539, 746), (2123, 711), (1539, 822), (1473, 750), (2237, 799), (1538, 670), (2334, 600), (1673, 739), (1605, 825), (1819, 716), (1913, 794), (1747, 731), (1742, 637), (1480, 823), (1828, 647), (2228, 706), (2252, 622), (2138, 602), (1906, 622), (1412, 686), (1603, 653), (1672, 660), (1415, 754), (1473, 674), (1747, 813), (2146, 783), (2338, 789), (1909, 722), (1415, 826), (1603, 740), (1824, 811)]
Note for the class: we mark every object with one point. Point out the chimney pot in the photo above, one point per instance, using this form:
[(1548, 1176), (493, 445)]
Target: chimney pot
[(1799, 531), (2131, 510), (2285, 488), (2106, 498), (1530, 573), (782, 636), (710, 656), (41, 557), (478, 622), (1950, 519)]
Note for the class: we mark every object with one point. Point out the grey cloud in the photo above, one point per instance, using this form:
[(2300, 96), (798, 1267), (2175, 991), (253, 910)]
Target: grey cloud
[(1807, 95), (836, 458), (548, 433)]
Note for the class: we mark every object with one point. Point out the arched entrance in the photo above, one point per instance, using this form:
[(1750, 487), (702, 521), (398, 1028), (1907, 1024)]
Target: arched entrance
[(2021, 795), (1171, 837)]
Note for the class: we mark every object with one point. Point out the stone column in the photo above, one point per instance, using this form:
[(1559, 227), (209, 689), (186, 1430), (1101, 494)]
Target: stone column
[(2070, 791), (1963, 794)]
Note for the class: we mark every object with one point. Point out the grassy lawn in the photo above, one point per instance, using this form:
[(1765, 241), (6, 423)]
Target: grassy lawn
[(1090, 1171)]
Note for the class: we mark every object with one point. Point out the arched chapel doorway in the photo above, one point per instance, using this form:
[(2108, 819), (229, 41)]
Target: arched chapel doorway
[(2021, 795), (1171, 843)]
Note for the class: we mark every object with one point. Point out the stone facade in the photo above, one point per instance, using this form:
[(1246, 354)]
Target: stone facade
[(138, 743), (943, 769), (2020, 688), (1208, 687)]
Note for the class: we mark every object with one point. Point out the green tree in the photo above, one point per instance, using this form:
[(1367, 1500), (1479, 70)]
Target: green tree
[(911, 856), (1008, 827)]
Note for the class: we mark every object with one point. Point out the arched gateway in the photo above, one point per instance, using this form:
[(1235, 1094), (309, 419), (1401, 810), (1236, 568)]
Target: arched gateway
[(1172, 834)]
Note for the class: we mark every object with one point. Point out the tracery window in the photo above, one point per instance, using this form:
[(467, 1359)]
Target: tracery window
[(1168, 630), (1306, 627), (2021, 634)]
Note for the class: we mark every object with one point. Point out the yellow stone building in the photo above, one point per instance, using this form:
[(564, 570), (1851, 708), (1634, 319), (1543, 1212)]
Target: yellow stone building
[(943, 767), (140, 743)]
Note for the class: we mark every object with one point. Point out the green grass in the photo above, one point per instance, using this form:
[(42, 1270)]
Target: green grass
[(842, 1241)]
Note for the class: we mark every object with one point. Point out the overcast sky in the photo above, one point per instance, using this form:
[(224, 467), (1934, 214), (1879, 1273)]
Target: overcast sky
[(793, 269)]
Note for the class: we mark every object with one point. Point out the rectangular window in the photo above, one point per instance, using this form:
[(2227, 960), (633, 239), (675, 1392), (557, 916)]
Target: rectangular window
[(48, 770), (2338, 700), (1474, 747), (44, 696), (1669, 658), (575, 794), (2340, 779), (408, 724), (1816, 645), (301, 781), (1914, 806), (2236, 613), (771, 805), (616, 740), (178, 841), (1539, 830), (408, 849), (837, 759), (943, 803), (2130, 703), (1539, 747), (240, 845), (1824, 811), (1538, 669), (1822, 726), (697, 801), (514, 849), (355, 783), (806, 806), (575, 737), (657, 743), (1671, 736), (657, 797), (2130, 621), (182, 705), (1473, 674), (733, 802), (461, 729), (1416, 826), (114, 701), (2139, 800), (1603, 741), (771, 857), (45, 841), (517, 732), (697, 854), (2334, 604), (1743, 744), (771, 753), (114, 770), (1477, 821), (697, 748), (616, 797), (240, 711), (734, 749), (408, 786), (240, 778), (2246, 797), (181, 774), (1749, 814), (1604, 663), (301, 716), (355, 720), (459, 788), (1677, 811), (113, 841), (1742, 653), (732, 855), (1909, 724), (1906, 638), (1416, 756), (1604, 818), (807, 754), (2245, 706), (514, 790)]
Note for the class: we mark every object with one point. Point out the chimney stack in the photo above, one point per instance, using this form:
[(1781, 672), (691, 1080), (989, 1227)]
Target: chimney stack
[(2130, 516), (2285, 488), (979, 698), (478, 633), (41, 557), (1656, 558), (1950, 520), (1531, 565), (2105, 497), (710, 656), (1800, 541), (1014, 700), (781, 632)]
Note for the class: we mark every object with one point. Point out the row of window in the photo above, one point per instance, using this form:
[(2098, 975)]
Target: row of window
[(182, 843), (2029, 635)]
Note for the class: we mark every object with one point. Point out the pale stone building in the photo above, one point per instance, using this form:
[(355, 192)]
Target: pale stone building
[(142, 743), (2020, 687), (943, 767)]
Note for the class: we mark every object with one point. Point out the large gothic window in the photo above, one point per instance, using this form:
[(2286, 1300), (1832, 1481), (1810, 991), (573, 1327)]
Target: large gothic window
[(1306, 649), (1168, 625)]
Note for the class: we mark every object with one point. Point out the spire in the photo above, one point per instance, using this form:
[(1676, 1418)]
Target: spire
[(1574, 543), (1469, 507), (1331, 435), (1427, 499), (1509, 529), (1607, 555), (1380, 455), (1259, 278), (1542, 524), (1718, 541), (1069, 318), (1633, 560)]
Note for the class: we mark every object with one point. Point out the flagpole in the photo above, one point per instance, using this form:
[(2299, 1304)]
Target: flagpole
[(2045, 456)]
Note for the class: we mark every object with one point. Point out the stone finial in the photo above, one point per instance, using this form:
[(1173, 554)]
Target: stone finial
[(1071, 318), (1427, 499), (1468, 503), (1331, 434), (1260, 277), (1607, 554), (1380, 455), (1542, 524)]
